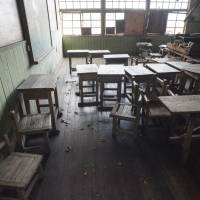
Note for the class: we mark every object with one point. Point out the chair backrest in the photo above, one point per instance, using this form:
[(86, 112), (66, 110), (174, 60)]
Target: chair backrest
[(18, 111), (4, 146)]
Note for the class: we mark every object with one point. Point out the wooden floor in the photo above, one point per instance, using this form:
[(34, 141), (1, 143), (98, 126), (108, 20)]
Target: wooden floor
[(97, 168)]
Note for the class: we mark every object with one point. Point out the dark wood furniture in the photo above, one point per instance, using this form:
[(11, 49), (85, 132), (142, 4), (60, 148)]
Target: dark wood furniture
[(38, 87), (188, 106), (126, 112), (116, 59), (19, 172), (163, 70), (139, 74), (88, 73), (153, 109), (76, 53), (110, 74), (97, 54)]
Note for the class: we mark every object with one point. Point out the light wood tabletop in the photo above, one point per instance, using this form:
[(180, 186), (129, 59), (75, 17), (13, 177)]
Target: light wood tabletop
[(111, 70), (137, 70), (87, 68), (116, 56), (162, 68), (38, 82), (185, 104)]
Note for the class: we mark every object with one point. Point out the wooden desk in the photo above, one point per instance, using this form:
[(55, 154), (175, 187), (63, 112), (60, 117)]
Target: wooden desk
[(37, 87), (110, 74), (88, 72), (97, 54), (139, 74), (179, 65), (76, 53), (116, 59), (165, 60), (188, 105)]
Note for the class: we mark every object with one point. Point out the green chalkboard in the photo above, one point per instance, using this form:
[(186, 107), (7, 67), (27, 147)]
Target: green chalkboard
[(36, 27)]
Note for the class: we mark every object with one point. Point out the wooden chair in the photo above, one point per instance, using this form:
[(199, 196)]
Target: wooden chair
[(18, 172), (153, 109), (126, 112), (32, 129)]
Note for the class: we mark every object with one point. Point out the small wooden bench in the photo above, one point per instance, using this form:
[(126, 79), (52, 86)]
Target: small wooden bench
[(18, 172)]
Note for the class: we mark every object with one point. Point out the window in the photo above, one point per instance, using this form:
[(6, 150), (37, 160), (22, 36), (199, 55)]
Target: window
[(80, 4), (175, 23), (81, 23), (114, 23), (125, 4), (169, 4)]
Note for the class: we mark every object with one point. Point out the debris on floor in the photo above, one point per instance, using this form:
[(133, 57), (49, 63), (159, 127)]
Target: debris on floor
[(65, 122), (76, 113), (68, 149)]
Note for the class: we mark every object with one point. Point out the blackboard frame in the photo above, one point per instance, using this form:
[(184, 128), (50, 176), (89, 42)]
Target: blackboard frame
[(27, 35)]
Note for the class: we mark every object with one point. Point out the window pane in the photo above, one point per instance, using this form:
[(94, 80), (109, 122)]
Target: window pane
[(77, 31), (86, 24), (67, 24), (67, 16), (86, 16), (96, 31), (67, 31), (110, 23), (110, 16), (119, 16), (96, 16), (96, 23)]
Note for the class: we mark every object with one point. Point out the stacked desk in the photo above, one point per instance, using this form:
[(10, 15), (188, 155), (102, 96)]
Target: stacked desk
[(37, 87), (187, 105), (76, 53), (88, 72), (163, 70), (139, 74), (97, 54), (110, 74)]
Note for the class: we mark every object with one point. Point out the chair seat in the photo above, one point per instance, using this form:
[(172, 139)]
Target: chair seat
[(35, 122), (123, 111), (18, 169), (156, 109)]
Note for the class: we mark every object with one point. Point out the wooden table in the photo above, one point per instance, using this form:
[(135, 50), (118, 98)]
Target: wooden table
[(37, 87), (88, 72), (188, 105), (139, 74), (163, 70), (97, 54), (166, 59), (116, 59), (76, 53), (110, 74)]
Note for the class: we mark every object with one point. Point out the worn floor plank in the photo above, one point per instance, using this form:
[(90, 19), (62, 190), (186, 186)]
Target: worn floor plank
[(97, 168)]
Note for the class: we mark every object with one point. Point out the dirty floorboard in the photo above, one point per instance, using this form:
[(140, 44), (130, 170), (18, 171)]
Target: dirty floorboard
[(86, 164)]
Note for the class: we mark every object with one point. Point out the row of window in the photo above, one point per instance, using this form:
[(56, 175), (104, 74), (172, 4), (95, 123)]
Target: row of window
[(124, 4), (90, 23)]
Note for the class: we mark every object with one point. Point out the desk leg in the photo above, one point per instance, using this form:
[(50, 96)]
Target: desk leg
[(57, 102), (187, 141), (90, 59), (27, 105), (38, 106), (119, 87), (86, 60), (70, 64), (126, 62), (81, 89), (101, 94), (53, 119), (97, 92)]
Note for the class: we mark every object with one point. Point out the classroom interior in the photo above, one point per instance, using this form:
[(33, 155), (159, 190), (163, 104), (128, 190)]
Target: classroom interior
[(99, 99)]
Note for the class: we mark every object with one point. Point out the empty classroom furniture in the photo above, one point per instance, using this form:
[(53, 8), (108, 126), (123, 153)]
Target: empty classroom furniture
[(187, 106), (19, 172), (163, 70), (139, 60), (97, 54), (116, 59), (139, 74), (88, 72), (153, 109), (76, 53), (126, 112), (166, 59), (110, 74), (38, 87), (29, 127)]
